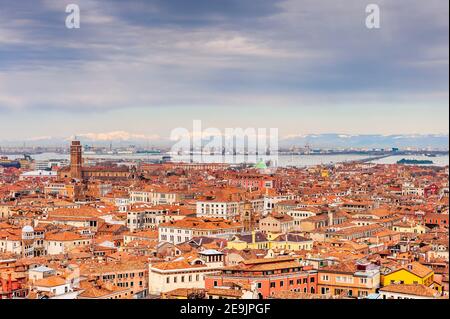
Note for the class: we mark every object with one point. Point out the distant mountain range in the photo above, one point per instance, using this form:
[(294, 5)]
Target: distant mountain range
[(440, 141), (436, 141)]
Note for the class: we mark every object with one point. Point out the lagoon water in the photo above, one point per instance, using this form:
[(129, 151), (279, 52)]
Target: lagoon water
[(283, 160)]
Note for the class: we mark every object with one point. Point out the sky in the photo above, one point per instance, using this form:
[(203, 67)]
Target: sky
[(143, 68)]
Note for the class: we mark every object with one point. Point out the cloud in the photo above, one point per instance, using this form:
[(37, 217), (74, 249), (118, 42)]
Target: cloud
[(214, 54)]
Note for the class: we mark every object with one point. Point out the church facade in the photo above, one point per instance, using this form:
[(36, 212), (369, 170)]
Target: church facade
[(76, 170)]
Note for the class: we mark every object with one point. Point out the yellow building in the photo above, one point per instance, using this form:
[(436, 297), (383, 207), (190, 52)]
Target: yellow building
[(404, 227), (413, 273), (255, 240), (291, 242), (258, 240)]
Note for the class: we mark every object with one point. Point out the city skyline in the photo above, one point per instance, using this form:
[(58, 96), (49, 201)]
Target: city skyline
[(335, 141), (244, 154), (145, 68)]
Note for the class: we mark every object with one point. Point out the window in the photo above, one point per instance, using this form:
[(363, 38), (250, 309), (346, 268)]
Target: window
[(272, 285), (362, 293), (325, 277)]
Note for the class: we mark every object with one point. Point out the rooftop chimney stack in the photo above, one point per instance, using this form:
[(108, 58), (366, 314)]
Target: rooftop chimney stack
[(330, 218)]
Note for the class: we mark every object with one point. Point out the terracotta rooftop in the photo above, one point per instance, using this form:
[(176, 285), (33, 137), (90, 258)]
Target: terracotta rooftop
[(416, 290)]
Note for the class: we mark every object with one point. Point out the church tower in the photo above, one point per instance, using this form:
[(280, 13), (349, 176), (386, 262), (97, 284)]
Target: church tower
[(76, 160), (248, 217)]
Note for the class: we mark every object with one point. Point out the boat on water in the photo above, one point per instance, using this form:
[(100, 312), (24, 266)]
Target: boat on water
[(6, 163), (414, 162)]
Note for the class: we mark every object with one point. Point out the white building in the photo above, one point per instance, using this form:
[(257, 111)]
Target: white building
[(54, 287), (177, 232), (300, 214), (403, 291), (39, 273), (411, 190), (146, 216), (122, 203), (38, 174), (181, 273), (41, 165), (270, 201), (155, 196), (26, 242), (61, 243), (217, 209)]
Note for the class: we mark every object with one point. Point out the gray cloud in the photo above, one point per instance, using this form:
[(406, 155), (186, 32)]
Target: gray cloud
[(221, 53)]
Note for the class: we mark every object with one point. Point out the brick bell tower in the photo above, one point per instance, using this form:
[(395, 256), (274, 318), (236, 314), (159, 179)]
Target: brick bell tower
[(247, 217), (76, 160)]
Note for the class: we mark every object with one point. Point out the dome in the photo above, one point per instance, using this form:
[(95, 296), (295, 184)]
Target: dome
[(261, 165), (27, 229)]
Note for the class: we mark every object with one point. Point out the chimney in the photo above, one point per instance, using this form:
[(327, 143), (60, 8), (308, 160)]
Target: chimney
[(330, 218), (253, 237)]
